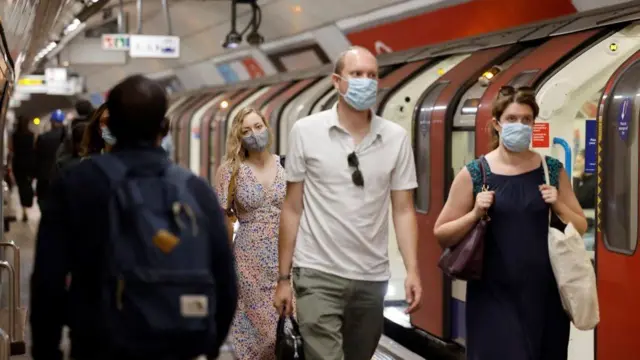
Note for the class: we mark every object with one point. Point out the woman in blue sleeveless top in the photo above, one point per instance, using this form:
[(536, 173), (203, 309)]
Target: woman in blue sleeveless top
[(514, 312)]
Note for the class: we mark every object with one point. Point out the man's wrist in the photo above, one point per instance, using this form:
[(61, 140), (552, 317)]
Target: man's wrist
[(285, 277)]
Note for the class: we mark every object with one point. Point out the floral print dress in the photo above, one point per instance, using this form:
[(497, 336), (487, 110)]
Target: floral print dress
[(253, 332)]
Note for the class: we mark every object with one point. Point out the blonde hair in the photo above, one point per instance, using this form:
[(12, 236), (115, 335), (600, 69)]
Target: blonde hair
[(236, 153)]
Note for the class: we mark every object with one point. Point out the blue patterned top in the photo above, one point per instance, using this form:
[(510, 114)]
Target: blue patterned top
[(554, 165)]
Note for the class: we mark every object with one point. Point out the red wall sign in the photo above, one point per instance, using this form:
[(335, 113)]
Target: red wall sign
[(459, 21), (540, 138), (253, 68)]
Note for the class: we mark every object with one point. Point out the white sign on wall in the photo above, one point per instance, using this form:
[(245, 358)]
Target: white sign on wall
[(154, 46), (56, 80)]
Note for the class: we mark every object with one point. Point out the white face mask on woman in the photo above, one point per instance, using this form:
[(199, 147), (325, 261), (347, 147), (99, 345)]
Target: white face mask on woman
[(108, 138), (516, 137)]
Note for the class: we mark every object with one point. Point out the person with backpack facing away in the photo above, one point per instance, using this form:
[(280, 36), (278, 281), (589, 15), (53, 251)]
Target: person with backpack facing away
[(46, 146), (77, 134), (145, 243)]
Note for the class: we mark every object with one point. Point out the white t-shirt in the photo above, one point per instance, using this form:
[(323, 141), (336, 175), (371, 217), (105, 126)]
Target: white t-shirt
[(344, 228)]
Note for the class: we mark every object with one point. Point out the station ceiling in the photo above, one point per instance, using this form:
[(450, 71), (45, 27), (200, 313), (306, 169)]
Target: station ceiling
[(203, 25)]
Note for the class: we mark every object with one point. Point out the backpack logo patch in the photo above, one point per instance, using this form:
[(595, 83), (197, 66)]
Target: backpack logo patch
[(194, 306), (165, 241)]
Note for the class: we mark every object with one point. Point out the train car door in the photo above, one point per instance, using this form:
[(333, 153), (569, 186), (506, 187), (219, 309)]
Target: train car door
[(205, 136), (299, 108), (398, 107), (194, 133), (271, 113), (568, 103), (617, 261), (175, 119), (184, 129)]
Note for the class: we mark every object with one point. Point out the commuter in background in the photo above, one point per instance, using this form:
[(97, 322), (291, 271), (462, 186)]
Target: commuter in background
[(93, 142), (77, 134), (84, 111), (250, 185), (346, 165), (47, 146), (146, 246), (584, 184), (22, 150), (167, 141), (514, 312)]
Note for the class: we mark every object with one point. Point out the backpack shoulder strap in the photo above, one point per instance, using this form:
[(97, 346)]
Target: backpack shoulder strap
[(111, 166), (179, 174)]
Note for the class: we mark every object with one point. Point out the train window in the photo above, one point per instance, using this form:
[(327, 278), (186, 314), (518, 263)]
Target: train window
[(465, 115), (422, 127), (523, 79), (620, 164)]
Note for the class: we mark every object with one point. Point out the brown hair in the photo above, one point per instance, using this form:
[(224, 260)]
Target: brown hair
[(508, 95), (92, 142)]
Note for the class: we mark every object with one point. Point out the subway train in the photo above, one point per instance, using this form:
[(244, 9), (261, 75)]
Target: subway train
[(586, 73)]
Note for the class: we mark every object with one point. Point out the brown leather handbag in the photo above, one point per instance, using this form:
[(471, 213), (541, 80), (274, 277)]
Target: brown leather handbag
[(464, 260)]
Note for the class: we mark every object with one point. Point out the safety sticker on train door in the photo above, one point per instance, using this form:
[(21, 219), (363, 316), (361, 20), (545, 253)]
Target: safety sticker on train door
[(540, 137), (624, 118)]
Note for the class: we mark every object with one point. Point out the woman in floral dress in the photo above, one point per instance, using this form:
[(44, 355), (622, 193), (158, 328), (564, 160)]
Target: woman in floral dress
[(251, 186)]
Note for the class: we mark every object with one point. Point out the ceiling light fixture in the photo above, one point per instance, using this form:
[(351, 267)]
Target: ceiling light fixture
[(233, 38)]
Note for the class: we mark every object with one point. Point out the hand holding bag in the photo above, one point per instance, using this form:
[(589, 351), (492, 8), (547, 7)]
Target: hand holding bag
[(289, 343), (464, 260), (574, 272)]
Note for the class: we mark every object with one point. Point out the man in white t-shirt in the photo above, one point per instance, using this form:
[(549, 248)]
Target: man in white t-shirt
[(344, 167)]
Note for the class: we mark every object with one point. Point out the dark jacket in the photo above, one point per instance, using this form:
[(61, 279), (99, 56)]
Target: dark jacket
[(65, 149), (46, 149), (73, 230)]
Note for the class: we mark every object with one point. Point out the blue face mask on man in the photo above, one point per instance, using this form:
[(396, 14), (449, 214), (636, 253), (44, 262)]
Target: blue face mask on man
[(362, 93), (516, 137)]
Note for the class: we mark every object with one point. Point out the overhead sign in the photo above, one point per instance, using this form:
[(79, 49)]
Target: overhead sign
[(57, 83), (540, 138), (115, 42), (154, 46), (32, 84)]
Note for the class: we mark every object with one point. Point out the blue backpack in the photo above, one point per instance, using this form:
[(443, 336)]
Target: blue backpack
[(158, 294)]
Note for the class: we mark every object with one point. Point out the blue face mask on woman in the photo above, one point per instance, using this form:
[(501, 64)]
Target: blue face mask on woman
[(516, 137), (362, 93), (108, 138)]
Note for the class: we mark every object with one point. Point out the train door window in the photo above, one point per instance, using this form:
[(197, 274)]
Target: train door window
[(523, 79), (422, 135), (465, 115), (620, 164)]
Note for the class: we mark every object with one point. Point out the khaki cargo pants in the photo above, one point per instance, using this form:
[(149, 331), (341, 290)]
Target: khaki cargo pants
[(340, 319)]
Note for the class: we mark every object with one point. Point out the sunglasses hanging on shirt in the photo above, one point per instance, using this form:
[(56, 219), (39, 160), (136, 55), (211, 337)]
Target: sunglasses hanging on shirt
[(356, 176)]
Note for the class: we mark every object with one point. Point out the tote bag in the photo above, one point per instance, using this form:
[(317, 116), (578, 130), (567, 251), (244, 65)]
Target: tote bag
[(573, 272)]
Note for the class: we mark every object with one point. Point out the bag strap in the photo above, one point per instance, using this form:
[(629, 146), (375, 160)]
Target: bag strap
[(547, 179), (481, 161)]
